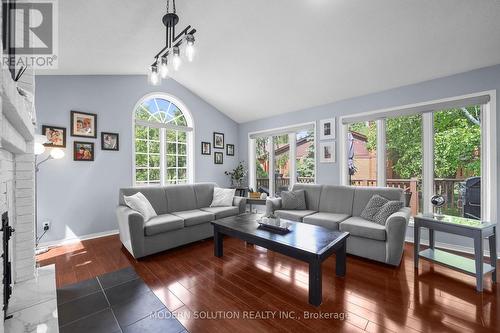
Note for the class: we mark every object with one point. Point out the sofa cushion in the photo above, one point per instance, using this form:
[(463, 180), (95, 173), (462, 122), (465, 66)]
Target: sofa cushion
[(155, 195), (360, 227), (163, 223), (336, 199), (223, 197), (387, 210), (363, 194), (180, 198), (293, 199), (373, 207), (327, 220), (313, 193), (294, 215), (141, 204), (194, 217), (221, 212), (204, 193)]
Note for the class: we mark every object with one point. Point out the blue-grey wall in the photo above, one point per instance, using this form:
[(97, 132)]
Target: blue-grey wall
[(79, 198), (456, 85)]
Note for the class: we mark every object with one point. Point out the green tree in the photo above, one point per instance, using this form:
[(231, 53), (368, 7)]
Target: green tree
[(305, 165), (457, 140)]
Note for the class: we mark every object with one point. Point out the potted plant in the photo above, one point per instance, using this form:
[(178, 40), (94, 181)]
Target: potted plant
[(237, 175)]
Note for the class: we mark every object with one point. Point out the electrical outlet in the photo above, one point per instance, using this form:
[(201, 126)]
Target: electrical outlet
[(46, 225)]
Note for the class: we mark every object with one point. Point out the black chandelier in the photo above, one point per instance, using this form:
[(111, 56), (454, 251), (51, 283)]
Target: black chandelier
[(171, 53)]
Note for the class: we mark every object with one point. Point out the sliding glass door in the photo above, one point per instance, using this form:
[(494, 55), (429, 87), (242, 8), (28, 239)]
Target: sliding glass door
[(305, 157), (362, 154), (282, 158), (457, 160), (403, 165), (447, 160)]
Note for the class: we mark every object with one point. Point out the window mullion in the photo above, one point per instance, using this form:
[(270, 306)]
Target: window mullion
[(271, 176), (381, 144), (428, 161), (163, 154), (292, 143)]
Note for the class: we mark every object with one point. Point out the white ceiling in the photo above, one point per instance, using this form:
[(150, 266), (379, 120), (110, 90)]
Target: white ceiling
[(261, 58)]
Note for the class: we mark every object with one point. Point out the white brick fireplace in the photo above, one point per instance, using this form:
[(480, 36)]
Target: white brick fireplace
[(17, 165)]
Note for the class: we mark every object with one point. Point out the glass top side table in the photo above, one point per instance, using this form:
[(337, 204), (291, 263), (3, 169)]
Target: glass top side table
[(477, 230)]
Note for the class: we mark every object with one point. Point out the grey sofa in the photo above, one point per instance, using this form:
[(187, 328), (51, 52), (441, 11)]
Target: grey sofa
[(340, 207), (183, 217)]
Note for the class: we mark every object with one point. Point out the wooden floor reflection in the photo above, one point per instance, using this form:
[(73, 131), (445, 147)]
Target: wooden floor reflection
[(248, 281)]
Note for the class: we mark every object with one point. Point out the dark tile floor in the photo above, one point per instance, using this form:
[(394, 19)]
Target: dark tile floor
[(115, 302)]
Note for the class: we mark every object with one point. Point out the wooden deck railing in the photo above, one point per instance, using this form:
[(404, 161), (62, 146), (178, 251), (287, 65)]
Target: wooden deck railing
[(448, 187)]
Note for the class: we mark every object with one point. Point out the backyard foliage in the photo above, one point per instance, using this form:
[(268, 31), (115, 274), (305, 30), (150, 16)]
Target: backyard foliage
[(457, 142)]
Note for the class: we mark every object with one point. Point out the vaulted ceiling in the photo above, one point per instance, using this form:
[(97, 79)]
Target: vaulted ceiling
[(261, 58)]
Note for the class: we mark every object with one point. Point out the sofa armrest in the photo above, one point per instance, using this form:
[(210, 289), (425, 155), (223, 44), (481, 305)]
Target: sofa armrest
[(131, 226), (396, 232), (272, 204), (241, 203)]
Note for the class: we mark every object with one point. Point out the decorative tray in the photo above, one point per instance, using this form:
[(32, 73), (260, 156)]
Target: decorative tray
[(274, 224)]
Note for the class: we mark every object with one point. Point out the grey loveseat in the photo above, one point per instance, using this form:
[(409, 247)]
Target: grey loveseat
[(340, 207), (183, 217)]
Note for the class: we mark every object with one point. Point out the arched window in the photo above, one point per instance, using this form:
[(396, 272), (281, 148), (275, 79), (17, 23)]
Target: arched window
[(163, 131)]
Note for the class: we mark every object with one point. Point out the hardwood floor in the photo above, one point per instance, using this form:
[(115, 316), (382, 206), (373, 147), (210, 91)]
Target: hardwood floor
[(248, 281)]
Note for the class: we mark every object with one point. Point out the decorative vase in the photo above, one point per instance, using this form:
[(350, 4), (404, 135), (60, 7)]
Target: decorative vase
[(236, 183)]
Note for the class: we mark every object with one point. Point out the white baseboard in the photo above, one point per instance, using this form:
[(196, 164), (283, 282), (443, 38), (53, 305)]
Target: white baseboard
[(77, 239)]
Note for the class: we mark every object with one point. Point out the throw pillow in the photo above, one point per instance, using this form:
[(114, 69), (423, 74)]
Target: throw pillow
[(387, 210), (141, 204), (223, 197), (373, 207), (293, 200)]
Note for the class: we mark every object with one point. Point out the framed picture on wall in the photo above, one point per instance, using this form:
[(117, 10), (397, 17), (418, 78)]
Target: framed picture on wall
[(206, 148), (83, 124), (229, 149), (218, 157), (218, 140), (56, 136), (327, 152), (83, 151), (110, 141), (327, 129)]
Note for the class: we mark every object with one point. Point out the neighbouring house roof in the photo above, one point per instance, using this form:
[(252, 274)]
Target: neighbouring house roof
[(302, 145)]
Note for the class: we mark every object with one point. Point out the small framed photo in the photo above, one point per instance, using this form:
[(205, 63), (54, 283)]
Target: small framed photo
[(218, 140), (327, 129), (327, 152), (83, 151), (110, 141), (206, 148), (55, 135), (229, 149), (218, 157), (83, 124)]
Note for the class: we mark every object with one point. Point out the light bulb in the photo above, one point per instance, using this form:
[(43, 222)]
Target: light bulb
[(57, 153), (154, 77), (39, 148), (164, 67), (176, 61), (190, 50)]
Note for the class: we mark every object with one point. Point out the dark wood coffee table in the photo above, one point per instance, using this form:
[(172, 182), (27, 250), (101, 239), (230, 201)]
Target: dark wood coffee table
[(309, 243)]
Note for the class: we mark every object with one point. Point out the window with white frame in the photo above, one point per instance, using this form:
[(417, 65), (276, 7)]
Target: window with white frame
[(282, 157), (443, 148), (162, 141)]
